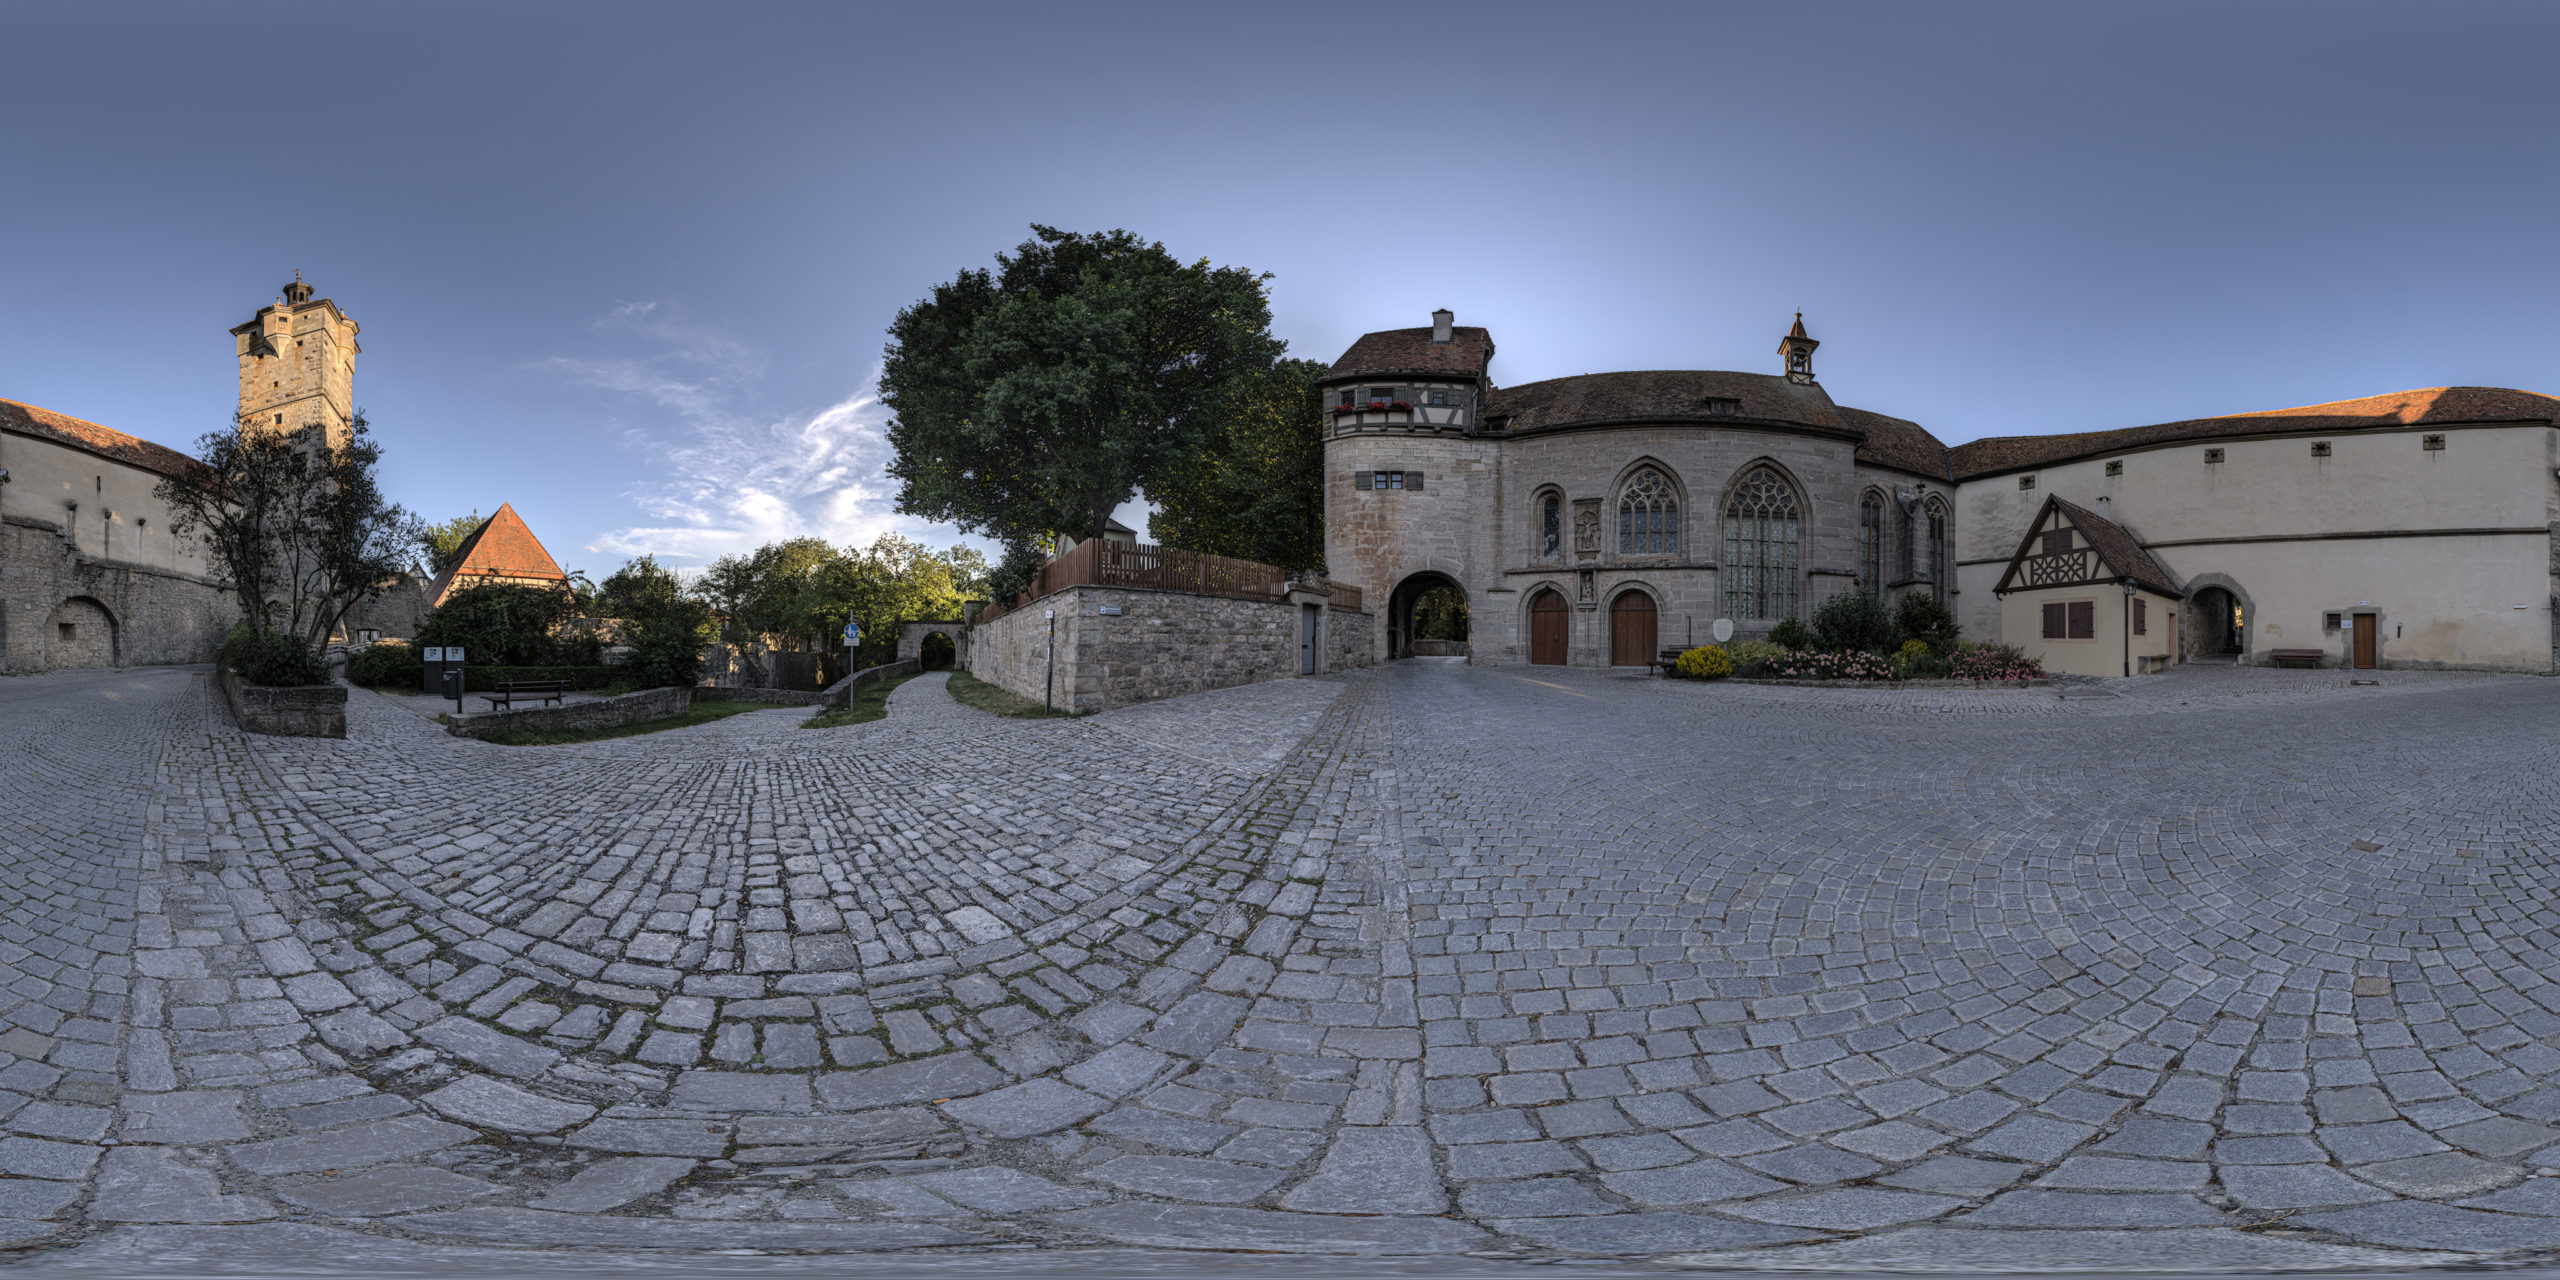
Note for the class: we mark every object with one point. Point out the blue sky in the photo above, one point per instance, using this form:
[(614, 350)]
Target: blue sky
[(629, 266)]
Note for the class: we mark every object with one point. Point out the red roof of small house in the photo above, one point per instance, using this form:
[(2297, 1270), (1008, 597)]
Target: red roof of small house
[(1411, 352), (89, 437), (2118, 550), (502, 547)]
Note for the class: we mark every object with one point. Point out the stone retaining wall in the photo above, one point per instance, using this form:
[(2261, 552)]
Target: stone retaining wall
[(840, 694), (601, 713), (1157, 644), (776, 697), (150, 616), (298, 711)]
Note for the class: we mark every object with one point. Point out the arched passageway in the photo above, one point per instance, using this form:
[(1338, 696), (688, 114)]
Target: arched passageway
[(935, 652), (2218, 626), (1426, 606)]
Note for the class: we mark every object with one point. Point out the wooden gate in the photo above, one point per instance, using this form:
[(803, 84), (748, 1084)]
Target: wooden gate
[(1631, 630), (2367, 625), (1549, 624)]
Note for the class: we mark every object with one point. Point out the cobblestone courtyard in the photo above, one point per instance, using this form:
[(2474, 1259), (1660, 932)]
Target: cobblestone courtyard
[(2231, 969)]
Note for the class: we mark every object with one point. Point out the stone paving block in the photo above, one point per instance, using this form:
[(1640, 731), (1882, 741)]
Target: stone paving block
[(159, 1184), (2417, 1224), (1642, 1233), (1846, 1209), (997, 1190), (2439, 1176), (354, 1146), (739, 1091), (183, 1119), (1990, 1251), (1197, 1025), (1118, 1071), (492, 1104), (1157, 1129), (650, 1137), (519, 1227), (488, 1047), (2294, 1186), (1385, 1169), (55, 1120), (610, 1184), (1698, 1182), (1533, 1198), (2079, 1209), (2032, 1137), (41, 1158), (1204, 1227), (1511, 1159), (1022, 1110), (935, 1079), (375, 1192), (1187, 1178), (36, 1198)]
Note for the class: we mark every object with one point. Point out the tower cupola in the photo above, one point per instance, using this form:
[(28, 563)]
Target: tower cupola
[(1798, 347), (297, 293)]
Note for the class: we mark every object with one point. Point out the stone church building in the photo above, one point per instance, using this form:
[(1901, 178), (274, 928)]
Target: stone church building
[(1602, 519)]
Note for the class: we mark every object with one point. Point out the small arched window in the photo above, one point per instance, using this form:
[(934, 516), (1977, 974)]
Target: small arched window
[(1648, 516), (1551, 527), (1763, 547), (1871, 542)]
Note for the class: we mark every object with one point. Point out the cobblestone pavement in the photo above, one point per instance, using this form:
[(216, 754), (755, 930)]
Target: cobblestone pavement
[(2220, 969)]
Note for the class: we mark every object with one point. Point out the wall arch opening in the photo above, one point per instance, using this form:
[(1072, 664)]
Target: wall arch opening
[(80, 634), (1429, 609)]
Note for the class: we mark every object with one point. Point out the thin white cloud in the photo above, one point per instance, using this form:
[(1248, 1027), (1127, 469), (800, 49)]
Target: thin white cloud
[(730, 480)]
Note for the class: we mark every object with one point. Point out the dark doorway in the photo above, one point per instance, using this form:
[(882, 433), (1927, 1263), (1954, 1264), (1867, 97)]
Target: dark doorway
[(934, 651), (1550, 626), (1427, 606), (1631, 630), (2222, 624), (2368, 640)]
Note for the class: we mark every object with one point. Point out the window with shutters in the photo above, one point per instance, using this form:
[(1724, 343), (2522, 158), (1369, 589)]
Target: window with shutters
[(2084, 619), (2053, 620), (2141, 618), (2057, 542), (1763, 547), (1648, 516)]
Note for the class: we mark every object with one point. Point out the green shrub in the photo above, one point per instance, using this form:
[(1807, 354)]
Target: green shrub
[(1789, 634), (273, 658), (1853, 622), (1706, 662), (504, 625), (1752, 657), (390, 664), (1921, 616)]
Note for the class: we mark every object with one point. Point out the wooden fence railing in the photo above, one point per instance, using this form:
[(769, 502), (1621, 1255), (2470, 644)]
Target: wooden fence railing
[(1097, 562)]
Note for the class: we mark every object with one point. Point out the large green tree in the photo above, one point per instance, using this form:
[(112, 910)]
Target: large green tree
[(1034, 399), (1255, 488), (663, 626), (798, 594), (441, 542)]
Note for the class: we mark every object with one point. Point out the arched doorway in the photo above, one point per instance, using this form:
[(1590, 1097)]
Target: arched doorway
[(2219, 625), (1426, 607), (1550, 628), (79, 633), (935, 653), (1632, 630)]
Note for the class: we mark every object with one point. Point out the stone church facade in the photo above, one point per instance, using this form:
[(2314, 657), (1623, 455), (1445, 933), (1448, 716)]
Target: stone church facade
[(1602, 519)]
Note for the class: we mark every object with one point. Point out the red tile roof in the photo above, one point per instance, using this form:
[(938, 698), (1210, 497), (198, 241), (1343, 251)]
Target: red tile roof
[(2124, 556), (2424, 406), (1899, 443), (89, 437), (1467, 354), (502, 547)]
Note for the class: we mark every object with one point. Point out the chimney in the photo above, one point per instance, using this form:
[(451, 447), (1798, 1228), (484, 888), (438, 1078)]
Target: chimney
[(1443, 324), (2105, 511)]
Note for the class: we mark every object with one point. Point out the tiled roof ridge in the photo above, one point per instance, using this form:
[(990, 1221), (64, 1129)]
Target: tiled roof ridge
[(2445, 405), (91, 437), (512, 553)]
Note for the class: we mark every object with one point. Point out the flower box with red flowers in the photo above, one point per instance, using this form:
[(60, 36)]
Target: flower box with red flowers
[(1374, 406)]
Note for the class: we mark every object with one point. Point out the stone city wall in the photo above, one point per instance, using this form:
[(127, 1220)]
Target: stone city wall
[(601, 713), (122, 614), (1161, 644), (299, 711)]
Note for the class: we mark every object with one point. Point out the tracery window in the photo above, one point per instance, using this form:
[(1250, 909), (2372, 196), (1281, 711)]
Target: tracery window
[(1551, 527), (1904, 544), (1648, 516), (1763, 547), (1942, 572), (1871, 543)]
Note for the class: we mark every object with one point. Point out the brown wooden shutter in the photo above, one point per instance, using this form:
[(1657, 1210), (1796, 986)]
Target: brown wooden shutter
[(2053, 621), (2141, 622), (2084, 619), (2057, 542), (1359, 479), (1413, 481)]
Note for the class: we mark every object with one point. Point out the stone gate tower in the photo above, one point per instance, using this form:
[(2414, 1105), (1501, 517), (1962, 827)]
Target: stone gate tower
[(297, 366)]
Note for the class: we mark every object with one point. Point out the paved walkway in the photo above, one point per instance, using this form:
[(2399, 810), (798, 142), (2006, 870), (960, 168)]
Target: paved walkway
[(2232, 970)]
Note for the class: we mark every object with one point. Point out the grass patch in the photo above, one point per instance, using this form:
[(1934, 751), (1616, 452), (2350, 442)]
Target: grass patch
[(703, 714), (870, 703), (974, 692)]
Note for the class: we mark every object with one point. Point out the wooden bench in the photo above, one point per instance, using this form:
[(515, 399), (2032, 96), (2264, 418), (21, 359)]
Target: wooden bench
[(2295, 657), (510, 690)]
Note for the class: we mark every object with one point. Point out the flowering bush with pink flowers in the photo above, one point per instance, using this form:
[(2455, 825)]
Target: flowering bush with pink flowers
[(1808, 664), (2003, 662)]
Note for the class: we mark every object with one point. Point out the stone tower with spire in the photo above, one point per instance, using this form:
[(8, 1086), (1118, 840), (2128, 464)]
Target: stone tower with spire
[(1798, 347), (297, 366)]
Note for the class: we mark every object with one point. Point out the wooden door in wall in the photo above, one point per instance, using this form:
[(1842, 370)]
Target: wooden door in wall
[(1549, 623), (1631, 631), (2366, 626)]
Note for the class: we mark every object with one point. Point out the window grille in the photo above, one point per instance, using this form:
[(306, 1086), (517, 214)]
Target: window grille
[(1648, 516), (2432, 444), (1551, 528), (2026, 482), (1871, 542), (2115, 468)]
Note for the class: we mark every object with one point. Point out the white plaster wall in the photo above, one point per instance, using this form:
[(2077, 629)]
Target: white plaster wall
[(45, 474)]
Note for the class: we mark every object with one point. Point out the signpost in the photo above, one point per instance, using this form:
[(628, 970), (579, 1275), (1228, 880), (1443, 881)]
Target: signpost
[(852, 650), (444, 673)]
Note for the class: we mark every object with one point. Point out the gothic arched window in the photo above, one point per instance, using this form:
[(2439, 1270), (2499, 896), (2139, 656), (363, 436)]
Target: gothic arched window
[(1648, 516), (1942, 573), (1551, 527), (1763, 547), (1871, 542)]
